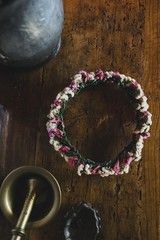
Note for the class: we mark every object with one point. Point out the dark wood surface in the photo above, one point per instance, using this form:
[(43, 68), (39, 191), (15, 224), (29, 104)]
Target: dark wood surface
[(114, 35)]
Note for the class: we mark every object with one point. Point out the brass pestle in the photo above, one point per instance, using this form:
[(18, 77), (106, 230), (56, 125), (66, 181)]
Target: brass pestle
[(34, 187)]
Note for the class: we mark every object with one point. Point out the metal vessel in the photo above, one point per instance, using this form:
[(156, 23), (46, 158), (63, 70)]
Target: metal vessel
[(30, 197), (30, 31)]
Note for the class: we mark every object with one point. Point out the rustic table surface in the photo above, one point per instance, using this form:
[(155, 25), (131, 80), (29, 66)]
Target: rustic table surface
[(114, 35)]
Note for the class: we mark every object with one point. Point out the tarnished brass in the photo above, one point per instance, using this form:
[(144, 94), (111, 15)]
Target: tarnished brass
[(30, 196)]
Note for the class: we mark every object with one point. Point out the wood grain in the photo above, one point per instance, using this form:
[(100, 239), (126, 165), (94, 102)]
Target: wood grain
[(151, 165), (113, 35)]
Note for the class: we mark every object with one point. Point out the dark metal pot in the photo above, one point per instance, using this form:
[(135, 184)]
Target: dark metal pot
[(30, 31)]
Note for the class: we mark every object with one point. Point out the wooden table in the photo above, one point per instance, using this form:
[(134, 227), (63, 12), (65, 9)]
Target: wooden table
[(114, 35)]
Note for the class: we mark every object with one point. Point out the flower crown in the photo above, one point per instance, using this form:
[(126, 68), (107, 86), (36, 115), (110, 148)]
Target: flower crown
[(57, 132)]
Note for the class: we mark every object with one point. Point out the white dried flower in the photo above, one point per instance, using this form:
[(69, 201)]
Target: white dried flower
[(140, 92), (149, 118), (59, 95), (126, 169), (137, 158), (51, 125), (68, 91), (55, 111), (56, 145), (143, 100), (144, 107), (102, 174), (137, 106), (145, 128), (91, 75), (105, 172), (87, 169), (108, 74), (80, 169), (77, 79), (122, 76), (64, 97)]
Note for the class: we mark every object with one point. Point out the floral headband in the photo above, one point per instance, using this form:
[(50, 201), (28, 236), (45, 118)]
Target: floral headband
[(57, 133)]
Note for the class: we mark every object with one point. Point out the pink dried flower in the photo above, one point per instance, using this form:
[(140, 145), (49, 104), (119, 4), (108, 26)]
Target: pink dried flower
[(128, 160), (51, 133), (85, 76), (133, 85), (55, 120), (142, 114), (117, 167), (73, 87), (64, 149), (146, 135), (57, 102), (72, 160), (116, 74), (94, 171), (99, 75), (56, 131)]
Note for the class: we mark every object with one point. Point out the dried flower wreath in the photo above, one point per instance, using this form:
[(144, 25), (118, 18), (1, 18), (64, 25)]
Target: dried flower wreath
[(57, 132)]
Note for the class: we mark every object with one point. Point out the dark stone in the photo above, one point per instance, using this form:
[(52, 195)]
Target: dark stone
[(82, 222)]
